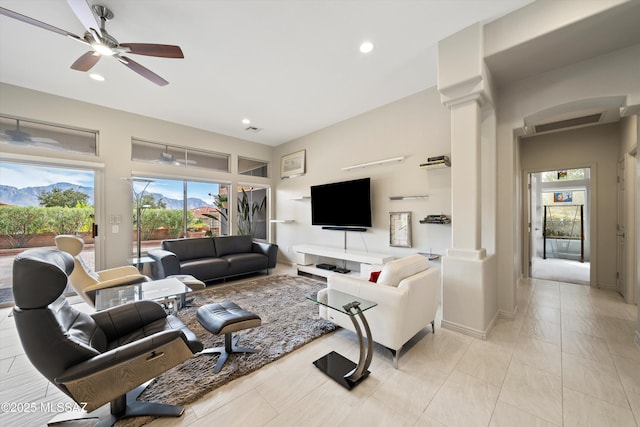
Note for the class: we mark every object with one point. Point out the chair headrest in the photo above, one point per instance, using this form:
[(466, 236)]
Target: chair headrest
[(40, 277), (69, 243)]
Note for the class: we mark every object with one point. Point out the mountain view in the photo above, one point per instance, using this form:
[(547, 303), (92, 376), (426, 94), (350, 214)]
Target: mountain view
[(28, 196)]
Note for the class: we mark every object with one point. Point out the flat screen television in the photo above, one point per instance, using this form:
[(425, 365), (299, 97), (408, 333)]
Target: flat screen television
[(342, 204)]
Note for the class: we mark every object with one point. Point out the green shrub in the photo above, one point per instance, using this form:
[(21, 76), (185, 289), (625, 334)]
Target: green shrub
[(20, 223)]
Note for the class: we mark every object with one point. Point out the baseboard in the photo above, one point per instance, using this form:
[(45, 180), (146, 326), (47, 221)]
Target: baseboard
[(510, 315), (481, 335)]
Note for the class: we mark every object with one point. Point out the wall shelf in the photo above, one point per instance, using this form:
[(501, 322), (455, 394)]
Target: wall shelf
[(281, 221), (436, 219), (374, 163), (437, 162), (416, 197), (301, 198)]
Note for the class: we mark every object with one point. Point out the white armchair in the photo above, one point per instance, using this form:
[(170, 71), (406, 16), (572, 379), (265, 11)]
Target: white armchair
[(407, 293), (85, 281)]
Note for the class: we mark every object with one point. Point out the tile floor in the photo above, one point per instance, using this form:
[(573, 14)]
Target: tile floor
[(568, 359)]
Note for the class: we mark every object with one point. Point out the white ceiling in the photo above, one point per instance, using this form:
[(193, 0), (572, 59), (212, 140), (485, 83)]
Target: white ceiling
[(291, 66)]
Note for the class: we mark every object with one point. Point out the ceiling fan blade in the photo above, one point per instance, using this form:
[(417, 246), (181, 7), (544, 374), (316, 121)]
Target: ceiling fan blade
[(143, 71), (83, 12), (150, 49), (86, 61), (40, 24)]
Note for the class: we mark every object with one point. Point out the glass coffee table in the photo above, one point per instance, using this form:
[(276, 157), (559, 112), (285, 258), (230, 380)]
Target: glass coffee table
[(342, 370), (168, 291)]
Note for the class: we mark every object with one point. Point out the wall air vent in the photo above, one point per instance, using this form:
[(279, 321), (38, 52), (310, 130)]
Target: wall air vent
[(562, 124), (253, 129)]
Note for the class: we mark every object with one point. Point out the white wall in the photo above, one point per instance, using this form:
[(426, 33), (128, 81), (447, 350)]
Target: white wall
[(595, 147), (416, 127), (611, 74), (116, 129)]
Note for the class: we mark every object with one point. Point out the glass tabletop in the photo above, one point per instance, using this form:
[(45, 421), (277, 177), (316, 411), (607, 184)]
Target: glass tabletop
[(340, 301), (154, 290)]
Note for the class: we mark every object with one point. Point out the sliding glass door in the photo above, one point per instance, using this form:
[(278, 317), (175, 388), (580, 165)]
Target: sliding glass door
[(37, 203), (170, 209)]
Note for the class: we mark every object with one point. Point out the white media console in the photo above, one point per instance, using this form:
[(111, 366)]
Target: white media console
[(308, 256)]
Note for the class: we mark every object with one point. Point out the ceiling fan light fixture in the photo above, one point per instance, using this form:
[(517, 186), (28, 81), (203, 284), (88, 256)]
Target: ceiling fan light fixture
[(102, 49)]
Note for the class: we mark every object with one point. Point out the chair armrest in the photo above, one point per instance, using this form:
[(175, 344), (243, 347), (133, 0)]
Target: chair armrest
[(166, 263), (118, 355), (118, 281), (112, 273), (268, 249), (122, 319)]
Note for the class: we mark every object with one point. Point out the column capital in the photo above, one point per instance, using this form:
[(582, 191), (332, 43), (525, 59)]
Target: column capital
[(470, 90)]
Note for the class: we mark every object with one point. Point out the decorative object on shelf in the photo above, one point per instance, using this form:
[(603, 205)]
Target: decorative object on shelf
[(416, 197), (400, 229), (374, 163), (436, 219), (436, 162), (293, 164)]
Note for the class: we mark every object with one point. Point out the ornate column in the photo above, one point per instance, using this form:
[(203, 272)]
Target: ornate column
[(470, 276)]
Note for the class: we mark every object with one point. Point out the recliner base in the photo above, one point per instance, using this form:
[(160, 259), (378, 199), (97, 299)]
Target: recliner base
[(109, 415)]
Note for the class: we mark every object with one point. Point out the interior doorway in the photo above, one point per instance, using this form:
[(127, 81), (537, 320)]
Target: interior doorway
[(559, 218)]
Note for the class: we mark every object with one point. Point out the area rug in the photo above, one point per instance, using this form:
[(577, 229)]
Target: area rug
[(289, 321)]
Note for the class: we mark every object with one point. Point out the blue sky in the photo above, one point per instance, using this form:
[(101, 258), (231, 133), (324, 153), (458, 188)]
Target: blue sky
[(173, 189), (21, 176)]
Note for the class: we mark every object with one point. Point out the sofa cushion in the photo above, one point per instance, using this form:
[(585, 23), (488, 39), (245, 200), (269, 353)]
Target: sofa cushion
[(246, 262), (373, 277), (395, 271), (186, 249), (205, 268), (227, 245)]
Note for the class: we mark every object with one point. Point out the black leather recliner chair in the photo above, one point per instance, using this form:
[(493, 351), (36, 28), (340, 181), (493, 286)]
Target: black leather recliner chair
[(95, 358)]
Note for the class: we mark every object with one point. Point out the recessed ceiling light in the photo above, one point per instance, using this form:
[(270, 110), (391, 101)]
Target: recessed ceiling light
[(97, 77), (246, 121), (366, 47)]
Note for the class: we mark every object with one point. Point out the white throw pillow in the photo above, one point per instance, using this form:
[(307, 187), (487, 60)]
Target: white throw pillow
[(397, 270)]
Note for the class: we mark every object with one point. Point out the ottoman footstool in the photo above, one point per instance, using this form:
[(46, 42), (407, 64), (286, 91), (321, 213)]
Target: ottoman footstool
[(225, 318)]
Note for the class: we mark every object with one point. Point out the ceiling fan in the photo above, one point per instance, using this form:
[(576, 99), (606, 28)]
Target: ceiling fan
[(17, 136), (168, 158), (101, 42)]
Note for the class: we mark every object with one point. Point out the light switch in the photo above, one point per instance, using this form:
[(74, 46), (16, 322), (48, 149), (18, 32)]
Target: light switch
[(115, 229)]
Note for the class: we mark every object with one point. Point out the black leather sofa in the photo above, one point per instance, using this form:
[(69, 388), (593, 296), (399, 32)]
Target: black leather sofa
[(212, 258)]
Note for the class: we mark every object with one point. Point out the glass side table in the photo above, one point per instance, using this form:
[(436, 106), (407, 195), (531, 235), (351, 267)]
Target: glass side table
[(336, 366), (164, 291)]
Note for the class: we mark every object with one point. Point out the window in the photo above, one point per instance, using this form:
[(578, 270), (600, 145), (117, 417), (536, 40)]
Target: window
[(172, 155), (29, 133), (252, 211), (253, 167), (172, 209)]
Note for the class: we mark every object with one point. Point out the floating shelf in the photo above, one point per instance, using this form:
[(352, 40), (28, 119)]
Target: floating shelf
[(436, 219), (301, 198), (374, 163), (437, 162), (281, 221), (416, 197)]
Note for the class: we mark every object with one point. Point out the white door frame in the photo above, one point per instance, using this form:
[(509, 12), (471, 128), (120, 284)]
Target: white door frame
[(527, 256)]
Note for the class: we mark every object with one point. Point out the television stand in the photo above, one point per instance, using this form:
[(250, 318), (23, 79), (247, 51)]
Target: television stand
[(309, 256)]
